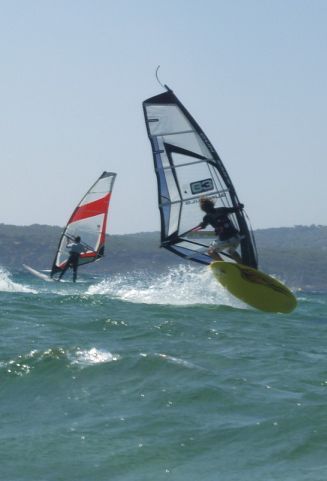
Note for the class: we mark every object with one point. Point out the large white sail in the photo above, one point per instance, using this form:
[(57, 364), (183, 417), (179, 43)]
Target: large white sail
[(188, 167)]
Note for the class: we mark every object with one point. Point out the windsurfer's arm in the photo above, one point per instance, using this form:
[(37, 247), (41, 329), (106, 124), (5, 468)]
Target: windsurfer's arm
[(203, 224), (86, 248), (229, 210)]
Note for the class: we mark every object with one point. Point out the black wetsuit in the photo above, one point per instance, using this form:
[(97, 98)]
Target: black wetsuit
[(219, 220)]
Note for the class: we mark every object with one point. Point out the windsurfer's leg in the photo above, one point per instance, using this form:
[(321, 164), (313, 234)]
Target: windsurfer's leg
[(232, 250), (63, 271), (75, 266), (68, 263), (229, 245), (214, 250), (74, 273)]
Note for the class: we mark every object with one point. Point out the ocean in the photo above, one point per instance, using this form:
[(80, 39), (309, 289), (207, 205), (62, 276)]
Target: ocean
[(150, 377)]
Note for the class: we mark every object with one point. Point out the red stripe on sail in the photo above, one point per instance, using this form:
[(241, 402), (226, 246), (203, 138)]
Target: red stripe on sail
[(85, 255), (91, 209)]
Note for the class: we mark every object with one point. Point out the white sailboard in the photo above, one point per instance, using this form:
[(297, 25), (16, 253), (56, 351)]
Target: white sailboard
[(38, 274)]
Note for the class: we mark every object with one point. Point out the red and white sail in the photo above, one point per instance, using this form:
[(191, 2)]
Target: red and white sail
[(89, 222)]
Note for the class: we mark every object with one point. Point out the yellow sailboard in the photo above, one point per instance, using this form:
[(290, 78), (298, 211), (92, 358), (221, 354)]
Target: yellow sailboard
[(254, 287)]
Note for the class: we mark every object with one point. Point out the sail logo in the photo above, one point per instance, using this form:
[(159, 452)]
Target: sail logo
[(201, 186)]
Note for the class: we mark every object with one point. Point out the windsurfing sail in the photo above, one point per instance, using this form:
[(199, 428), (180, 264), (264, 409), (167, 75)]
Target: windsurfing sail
[(187, 167), (88, 221)]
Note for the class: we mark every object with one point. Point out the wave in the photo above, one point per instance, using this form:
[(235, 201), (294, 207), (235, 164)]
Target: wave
[(81, 358), (181, 285), (24, 364), (8, 285), (174, 360), (88, 357)]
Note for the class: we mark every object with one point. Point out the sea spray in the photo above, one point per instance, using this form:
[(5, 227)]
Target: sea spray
[(8, 285), (181, 285)]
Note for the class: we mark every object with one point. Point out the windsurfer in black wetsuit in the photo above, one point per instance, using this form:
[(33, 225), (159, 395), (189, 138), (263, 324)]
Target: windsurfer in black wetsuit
[(228, 237), (75, 248)]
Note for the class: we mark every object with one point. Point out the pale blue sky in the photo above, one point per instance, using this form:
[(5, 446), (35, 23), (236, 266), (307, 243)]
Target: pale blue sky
[(74, 74)]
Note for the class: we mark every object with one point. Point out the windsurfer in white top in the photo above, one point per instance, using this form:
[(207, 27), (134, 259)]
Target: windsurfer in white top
[(75, 248)]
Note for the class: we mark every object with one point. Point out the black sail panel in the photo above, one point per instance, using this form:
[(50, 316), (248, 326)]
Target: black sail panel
[(188, 167)]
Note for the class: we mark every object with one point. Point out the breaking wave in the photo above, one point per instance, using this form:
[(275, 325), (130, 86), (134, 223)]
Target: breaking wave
[(8, 285), (182, 285), (81, 358)]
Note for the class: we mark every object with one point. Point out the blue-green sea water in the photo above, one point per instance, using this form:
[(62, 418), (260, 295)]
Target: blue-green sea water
[(147, 377)]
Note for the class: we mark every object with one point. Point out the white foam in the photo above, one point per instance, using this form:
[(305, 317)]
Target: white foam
[(181, 285), (92, 356), (7, 285)]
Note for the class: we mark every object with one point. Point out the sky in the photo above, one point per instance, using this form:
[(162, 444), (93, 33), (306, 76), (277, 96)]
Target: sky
[(74, 73)]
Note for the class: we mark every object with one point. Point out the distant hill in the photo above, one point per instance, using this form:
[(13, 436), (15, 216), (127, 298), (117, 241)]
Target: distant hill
[(297, 255)]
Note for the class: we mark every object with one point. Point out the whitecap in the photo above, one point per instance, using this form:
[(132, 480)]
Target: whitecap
[(8, 285), (87, 357), (181, 285)]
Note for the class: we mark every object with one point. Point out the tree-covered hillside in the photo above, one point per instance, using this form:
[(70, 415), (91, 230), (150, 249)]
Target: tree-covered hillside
[(297, 255)]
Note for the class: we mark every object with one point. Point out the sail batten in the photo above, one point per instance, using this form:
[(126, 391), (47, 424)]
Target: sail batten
[(88, 221), (188, 167)]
